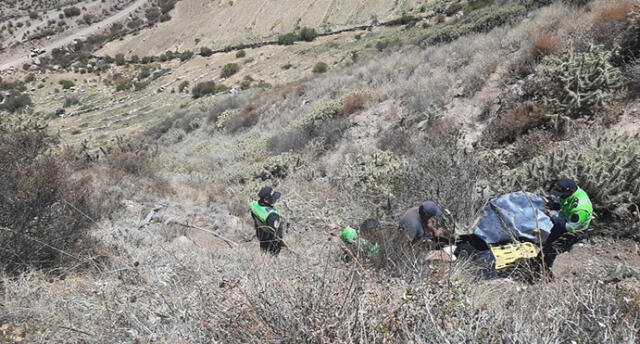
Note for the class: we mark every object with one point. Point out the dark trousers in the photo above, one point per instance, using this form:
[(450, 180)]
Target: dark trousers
[(559, 228), (270, 239)]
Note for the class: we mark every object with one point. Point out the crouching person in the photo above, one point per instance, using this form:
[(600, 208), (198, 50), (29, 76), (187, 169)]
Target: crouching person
[(572, 209), (267, 221), (357, 245), (418, 225)]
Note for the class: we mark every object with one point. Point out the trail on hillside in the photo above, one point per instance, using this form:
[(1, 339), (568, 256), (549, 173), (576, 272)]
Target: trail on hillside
[(17, 60)]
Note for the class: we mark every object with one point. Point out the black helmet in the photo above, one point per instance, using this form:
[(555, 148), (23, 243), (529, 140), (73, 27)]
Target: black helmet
[(563, 187), (267, 194)]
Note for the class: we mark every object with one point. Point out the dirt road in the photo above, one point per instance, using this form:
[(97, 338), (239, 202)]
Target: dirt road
[(17, 61)]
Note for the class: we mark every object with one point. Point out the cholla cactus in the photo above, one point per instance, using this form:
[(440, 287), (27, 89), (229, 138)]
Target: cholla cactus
[(20, 122), (606, 166), (224, 118), (575, 85), (375, 173)]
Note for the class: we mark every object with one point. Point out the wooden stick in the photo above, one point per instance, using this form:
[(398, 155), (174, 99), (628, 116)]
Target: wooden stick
[(227, 241)]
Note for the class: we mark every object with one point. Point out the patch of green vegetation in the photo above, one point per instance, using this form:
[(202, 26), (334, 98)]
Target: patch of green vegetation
[(320, 67), (205, 52), (16, 103), (66, 84), (186, 55), (202, 89), (229, 69)]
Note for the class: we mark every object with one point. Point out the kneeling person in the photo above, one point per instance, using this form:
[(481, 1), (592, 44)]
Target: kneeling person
[(574, 207), (417, 223)]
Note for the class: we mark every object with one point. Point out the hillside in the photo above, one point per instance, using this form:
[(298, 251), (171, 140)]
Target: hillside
[(126, 219), (217, 24)]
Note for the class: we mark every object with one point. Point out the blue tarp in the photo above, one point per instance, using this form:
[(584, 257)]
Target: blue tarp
[(513, 216)]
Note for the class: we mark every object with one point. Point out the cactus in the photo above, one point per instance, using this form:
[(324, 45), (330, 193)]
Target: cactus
[(376, 173), (21, 122), (606, 166), (224, 118), (577, 84)]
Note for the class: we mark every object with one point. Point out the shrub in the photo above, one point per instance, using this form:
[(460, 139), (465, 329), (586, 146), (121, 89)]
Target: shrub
[(186, 55), (320, 67), (135, 59), (120, 60), (203, 89), (43, 211), (545, 45), (606, 166), (577, 84), (152, 14), (307, 34), (88, 19), (204, 51), (288, 38), (229, 69), (382, 44), (16, 103), (515, 123), (71, 101), (124, 85), (66, 84), (145, 73), (354, 103), (71, 12), (246, 118), (183, 86), (135, 164), (240, 54)]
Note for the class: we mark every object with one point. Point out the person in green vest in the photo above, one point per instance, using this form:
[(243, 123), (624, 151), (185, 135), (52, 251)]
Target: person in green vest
[(360, 245), (267, 221), (572, 209)]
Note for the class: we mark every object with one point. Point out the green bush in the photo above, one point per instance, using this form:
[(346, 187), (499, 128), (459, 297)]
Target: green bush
[(320, 67), (307, 34), (124, 85), (16, 103), (145, 73), (66, 84), (71, 12), (203, 89), (577, 84), (229, 69), (288, 38), (135, 59), (186, 55), (240, 54), (120, 60), (152, 14), (204, 51)]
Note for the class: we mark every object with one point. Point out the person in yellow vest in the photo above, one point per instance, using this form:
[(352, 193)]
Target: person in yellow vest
[(267, 221), (571, 211)]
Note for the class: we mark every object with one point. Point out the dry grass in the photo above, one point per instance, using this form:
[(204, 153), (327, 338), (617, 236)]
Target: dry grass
[(545, 45), (354, 103), (615, 14)]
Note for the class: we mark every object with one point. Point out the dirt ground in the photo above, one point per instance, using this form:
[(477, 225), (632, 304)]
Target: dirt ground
[(216, 24)]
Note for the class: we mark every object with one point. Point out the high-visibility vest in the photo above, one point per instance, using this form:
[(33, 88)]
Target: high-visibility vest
[(578, 204), (261, 212)]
